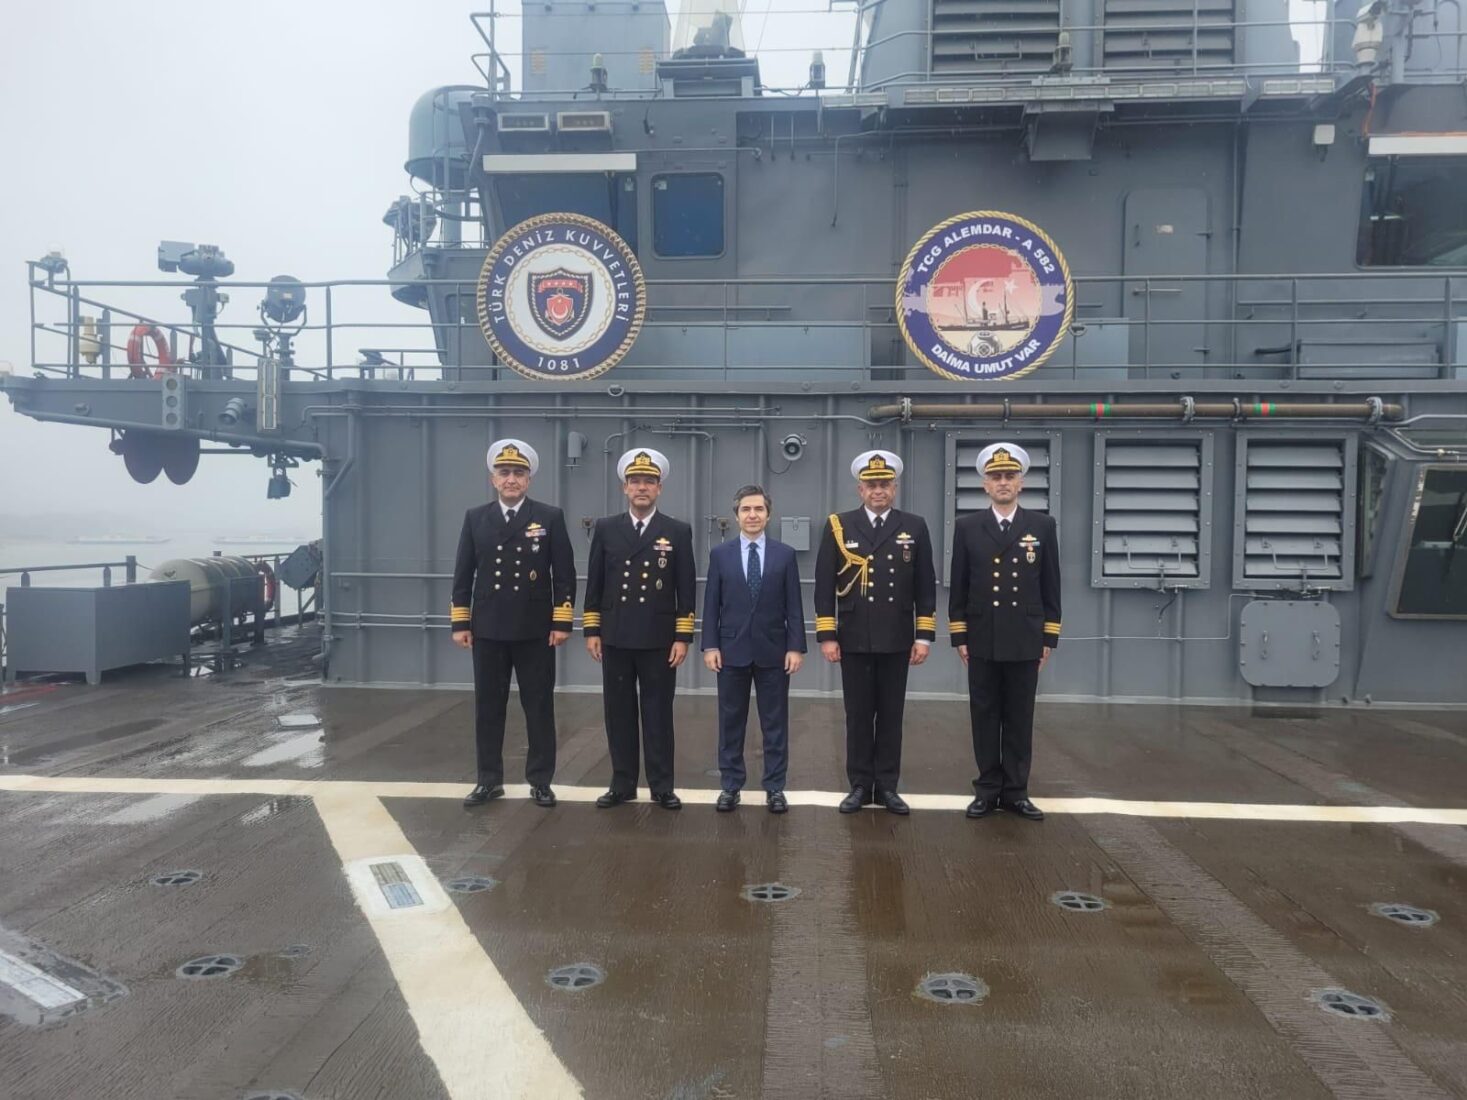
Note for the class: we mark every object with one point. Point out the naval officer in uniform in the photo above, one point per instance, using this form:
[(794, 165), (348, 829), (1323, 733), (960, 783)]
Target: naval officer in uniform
[(1004, 614), (514, 592), (875, 614), (641, 582)]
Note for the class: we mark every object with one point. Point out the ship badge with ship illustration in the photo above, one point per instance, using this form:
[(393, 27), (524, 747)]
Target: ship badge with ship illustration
[(984, 295)]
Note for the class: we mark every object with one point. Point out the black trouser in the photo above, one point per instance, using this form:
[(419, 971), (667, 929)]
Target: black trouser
[(1001, 705), (633, 680), (875, 690), (773, 688), (533, 665)]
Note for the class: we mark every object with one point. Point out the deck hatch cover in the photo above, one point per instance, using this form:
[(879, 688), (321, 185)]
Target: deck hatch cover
[(952, 989), (1341, 1002), (470, 884), (576, 976), (210, 966), (1405, 914), (1078, 902), (176, 878), (769, 892)]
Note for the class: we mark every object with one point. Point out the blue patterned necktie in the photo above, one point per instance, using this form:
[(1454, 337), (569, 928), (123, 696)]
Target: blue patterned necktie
[(756, 576)]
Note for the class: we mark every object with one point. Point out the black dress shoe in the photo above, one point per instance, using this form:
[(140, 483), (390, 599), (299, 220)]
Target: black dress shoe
[(614, 798), (668, 800), (727, 800), (893, 802), (482, 794), (852, 803), (543, 796), (777, 802), (980, 807), (1024, 808)]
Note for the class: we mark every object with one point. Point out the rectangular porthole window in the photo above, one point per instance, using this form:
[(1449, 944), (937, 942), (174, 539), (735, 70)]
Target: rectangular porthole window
[(1153, 506), (687, 215), (1431, 576), (1295, 513)]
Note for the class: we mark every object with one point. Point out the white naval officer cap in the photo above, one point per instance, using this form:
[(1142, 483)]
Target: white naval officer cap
[(513, 452), (642, 461), (998, 457), (876, 466)]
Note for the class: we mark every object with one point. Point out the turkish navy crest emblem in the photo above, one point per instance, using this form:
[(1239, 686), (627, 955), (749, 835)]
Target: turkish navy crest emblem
[(560, 300), (561, 297)]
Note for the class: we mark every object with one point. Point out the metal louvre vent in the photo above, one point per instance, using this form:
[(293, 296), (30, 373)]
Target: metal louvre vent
[(994, 36), (1168, 34), (1296, 524), (1153, 504), (970, 496)]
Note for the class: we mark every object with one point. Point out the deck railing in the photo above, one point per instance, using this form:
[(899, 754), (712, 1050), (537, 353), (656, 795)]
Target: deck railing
[(1355, 324)]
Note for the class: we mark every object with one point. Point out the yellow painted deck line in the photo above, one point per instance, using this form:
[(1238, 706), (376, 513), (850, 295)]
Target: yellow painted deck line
[(469, 1021), (753, 800)]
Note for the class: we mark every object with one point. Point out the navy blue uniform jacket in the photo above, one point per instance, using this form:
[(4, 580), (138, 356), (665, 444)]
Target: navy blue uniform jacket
[(744, 632)]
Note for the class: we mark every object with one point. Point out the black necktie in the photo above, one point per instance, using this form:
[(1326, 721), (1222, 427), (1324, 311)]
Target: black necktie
[(1003, 526), (755, 574), (879, 521), (639, 528), (509, 516)]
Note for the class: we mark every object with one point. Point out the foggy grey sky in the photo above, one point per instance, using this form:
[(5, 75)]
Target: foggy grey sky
[(276, 129)]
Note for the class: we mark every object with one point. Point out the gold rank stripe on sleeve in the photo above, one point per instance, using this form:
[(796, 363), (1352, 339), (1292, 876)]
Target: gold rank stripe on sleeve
[(685, 624), (1051, 628), (459, 614), (824, 623), (590, 618), (927, 622), (564, 615), (957, 628)]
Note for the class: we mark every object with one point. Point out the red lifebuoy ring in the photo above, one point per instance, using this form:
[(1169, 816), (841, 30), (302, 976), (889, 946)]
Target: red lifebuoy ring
[(269, 580), (160, 348)]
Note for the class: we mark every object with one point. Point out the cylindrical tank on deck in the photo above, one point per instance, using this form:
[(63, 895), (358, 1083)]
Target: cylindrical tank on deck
[(207, 578), (438, 151)]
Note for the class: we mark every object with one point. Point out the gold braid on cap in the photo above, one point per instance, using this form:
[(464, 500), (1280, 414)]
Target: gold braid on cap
[(1001, 460), (853, 561), (877, 469), (642, 464), (510, 455)]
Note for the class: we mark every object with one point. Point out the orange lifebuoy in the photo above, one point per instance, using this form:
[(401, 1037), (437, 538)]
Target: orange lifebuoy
[(268, 575), (160, 348)]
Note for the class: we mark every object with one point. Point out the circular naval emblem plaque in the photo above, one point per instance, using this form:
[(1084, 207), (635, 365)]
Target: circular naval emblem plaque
[(984, 295), (561, 297)]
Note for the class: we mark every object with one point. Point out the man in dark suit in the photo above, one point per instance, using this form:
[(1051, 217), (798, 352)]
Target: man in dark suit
[(641, 582), (514, 591), (875, 613), (1004, 614), (753, 633)]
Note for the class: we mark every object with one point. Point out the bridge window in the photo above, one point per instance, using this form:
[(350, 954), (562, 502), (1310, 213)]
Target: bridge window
[(1414, 213), (687, 215), (609, 197), (1432, 582)]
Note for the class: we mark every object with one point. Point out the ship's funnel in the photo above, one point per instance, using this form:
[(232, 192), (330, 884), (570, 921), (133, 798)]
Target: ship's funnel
[(708, 28)]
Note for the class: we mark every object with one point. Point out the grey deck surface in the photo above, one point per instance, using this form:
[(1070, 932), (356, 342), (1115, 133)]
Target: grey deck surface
[(1196, 981)]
